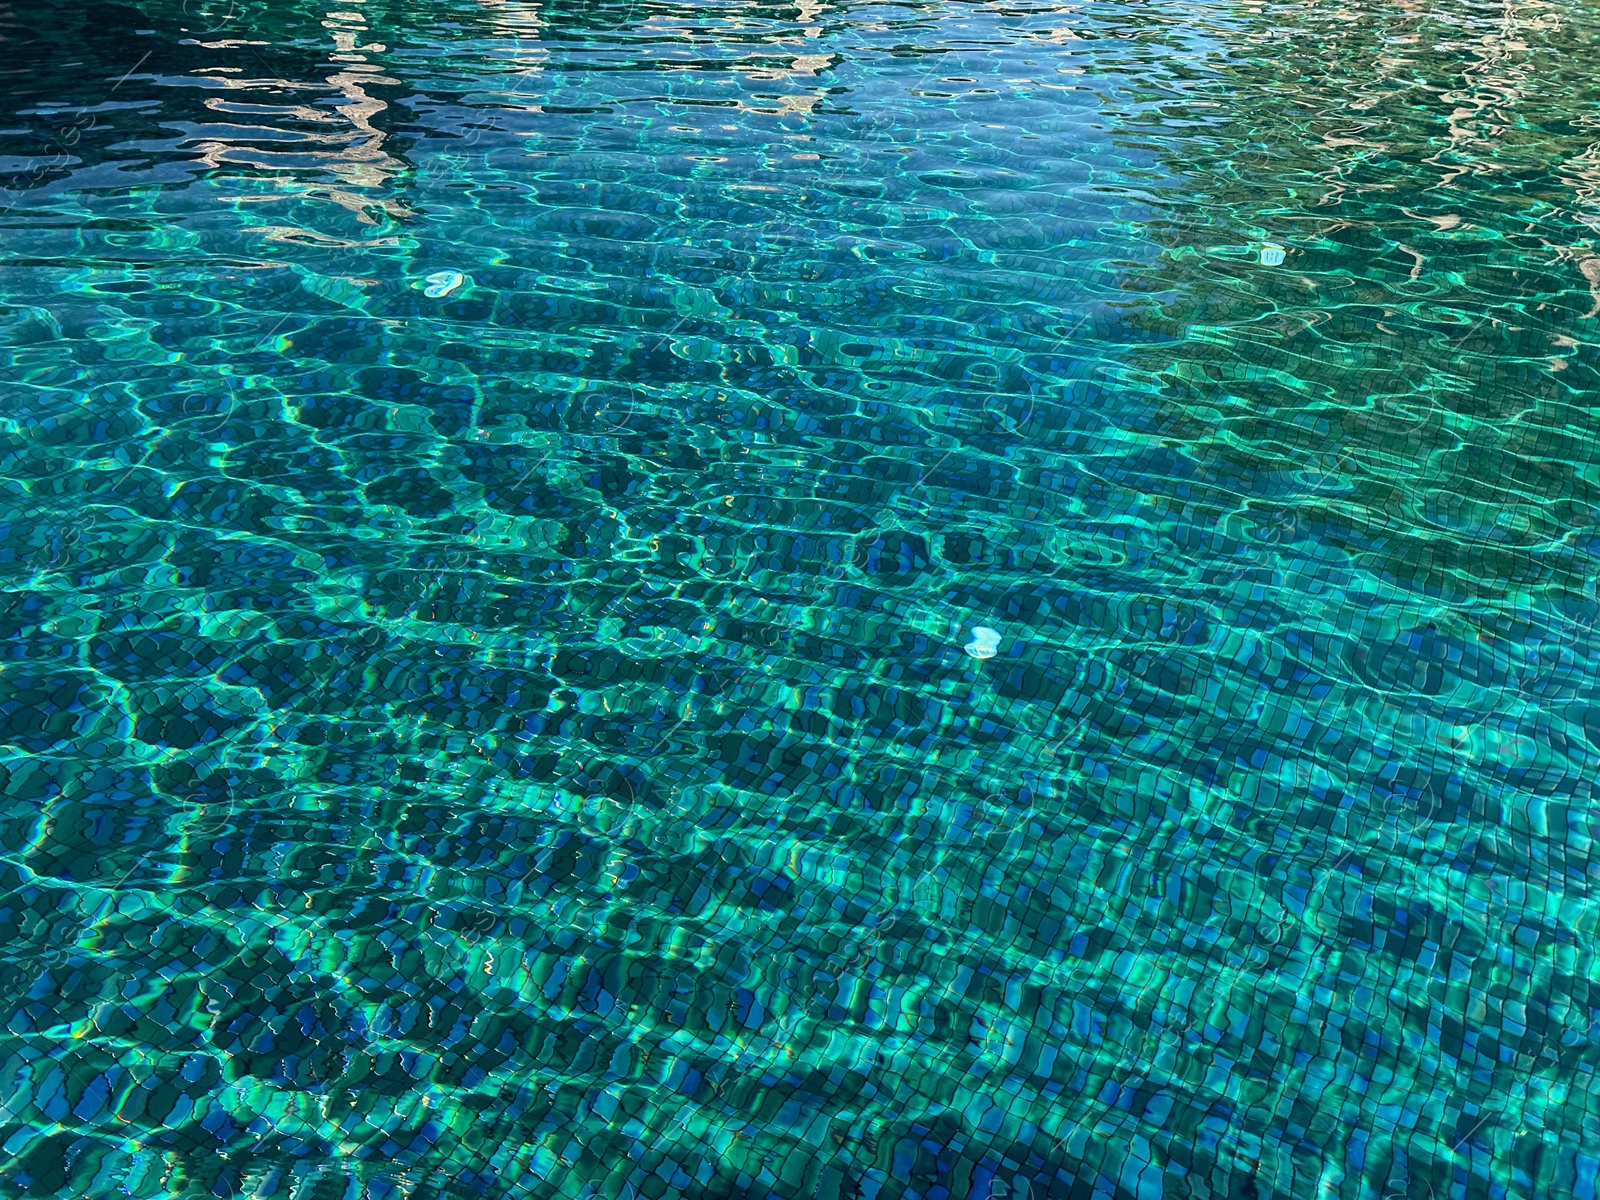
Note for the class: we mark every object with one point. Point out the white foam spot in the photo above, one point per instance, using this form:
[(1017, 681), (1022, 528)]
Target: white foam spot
[(985, 642), (1272, 255), (442, 283)]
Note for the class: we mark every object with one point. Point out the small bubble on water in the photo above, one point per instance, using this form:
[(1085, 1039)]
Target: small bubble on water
[(985, 642), (442, 283)]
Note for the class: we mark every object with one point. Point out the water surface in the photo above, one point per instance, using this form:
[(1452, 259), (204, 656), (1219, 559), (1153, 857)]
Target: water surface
[(497, 500)]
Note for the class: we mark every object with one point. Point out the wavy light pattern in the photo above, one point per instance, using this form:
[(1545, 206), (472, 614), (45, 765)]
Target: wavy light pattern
[(836, 600)]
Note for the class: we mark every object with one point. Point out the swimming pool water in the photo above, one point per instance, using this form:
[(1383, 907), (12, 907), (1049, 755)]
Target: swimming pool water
[(865, 600)]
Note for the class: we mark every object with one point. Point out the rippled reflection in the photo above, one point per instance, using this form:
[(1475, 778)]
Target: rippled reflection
[(837, 599)]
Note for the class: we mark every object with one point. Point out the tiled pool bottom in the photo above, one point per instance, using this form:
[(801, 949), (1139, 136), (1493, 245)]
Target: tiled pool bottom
[(858, 602)]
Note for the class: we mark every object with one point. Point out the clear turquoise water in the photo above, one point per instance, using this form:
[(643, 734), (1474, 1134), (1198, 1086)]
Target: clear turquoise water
[(520, 741)]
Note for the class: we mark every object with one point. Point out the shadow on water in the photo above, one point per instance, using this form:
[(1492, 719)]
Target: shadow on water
[(1401, 382)]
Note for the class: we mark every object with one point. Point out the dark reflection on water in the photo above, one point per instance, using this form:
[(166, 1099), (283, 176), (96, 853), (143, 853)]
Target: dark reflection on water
[(828, 600)]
